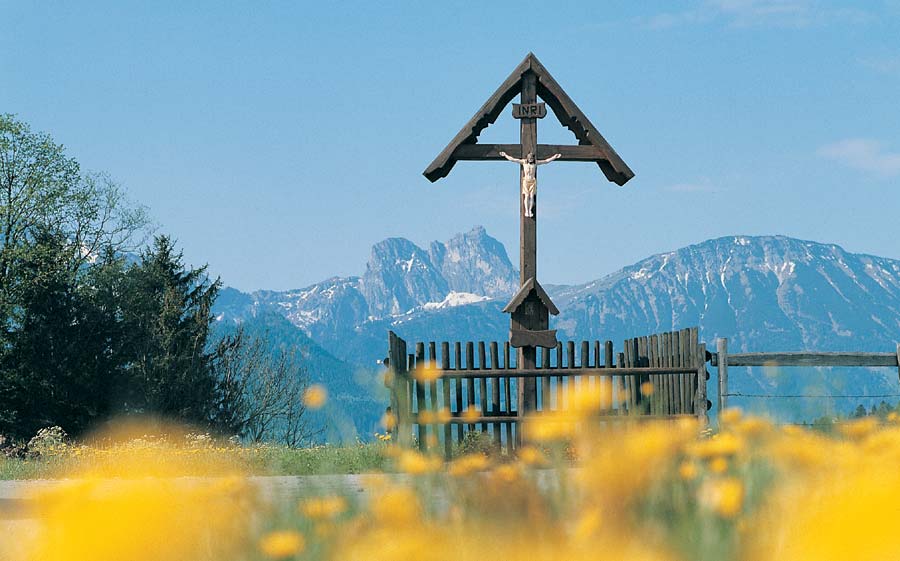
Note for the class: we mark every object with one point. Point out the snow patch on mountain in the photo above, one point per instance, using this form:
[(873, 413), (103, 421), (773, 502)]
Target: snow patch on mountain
[(454, 299)]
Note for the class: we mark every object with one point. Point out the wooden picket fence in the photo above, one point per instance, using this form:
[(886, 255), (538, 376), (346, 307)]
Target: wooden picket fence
[(442, 392)]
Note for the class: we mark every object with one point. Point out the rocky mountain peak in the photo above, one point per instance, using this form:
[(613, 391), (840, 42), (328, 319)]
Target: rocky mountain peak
[(475, 263), (400, 276)]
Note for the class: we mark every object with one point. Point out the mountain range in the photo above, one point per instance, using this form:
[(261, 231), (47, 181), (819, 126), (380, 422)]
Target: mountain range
[(765, 293)]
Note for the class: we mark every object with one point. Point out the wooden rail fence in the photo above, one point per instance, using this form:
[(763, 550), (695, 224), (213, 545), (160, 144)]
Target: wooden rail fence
[(441, 392), (721, 359)]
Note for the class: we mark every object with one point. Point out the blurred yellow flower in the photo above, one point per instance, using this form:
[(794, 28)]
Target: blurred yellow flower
[(858, 428), (471, 414), (647, 388), (389, 421), (687, 470), (730, 416), (506, 472), (396, 506), (549, 426), (323, 507), (282, 544), (426, 374), (722, 444), (414, 463), (530, 455), (315, 396), (587, 524), (723, 496), (468, 464), (443, 415), (718, 465)]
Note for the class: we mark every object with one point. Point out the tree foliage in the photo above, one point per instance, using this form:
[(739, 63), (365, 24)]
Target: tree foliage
[(87, 332)]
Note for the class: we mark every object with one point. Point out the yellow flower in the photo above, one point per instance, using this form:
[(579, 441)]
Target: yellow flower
[(859, 428), (282, 544), (426, 417), (389, 421), (586, 399), (723, 496), (506, 472), (723, 444), (471, 414), (530, 455), (718, 465), (315, 396), (753, 427), (426, 374), (549, 426), (398, 506), (730, 415), (323, 507), (468, 464), (647, 388), (415, 463), (587, 524), (687, 471), (443, 415)]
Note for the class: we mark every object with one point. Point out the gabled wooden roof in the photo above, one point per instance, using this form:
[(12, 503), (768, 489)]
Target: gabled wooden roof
[(522, 294), (569, 115)]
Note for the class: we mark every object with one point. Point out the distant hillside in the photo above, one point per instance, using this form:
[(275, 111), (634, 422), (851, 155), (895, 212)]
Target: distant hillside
[(763, 293)]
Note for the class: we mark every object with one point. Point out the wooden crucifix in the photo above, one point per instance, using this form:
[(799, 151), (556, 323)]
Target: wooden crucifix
[(530, 307)]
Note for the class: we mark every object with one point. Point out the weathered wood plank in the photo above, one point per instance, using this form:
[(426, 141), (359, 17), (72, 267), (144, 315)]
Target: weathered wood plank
[(420, 364), (811, 359), (457, 348), (495, 391), (507, 382), (491, 152), (470, 383), (722, 365), (445, 391), (401, 385), (482, 382), (545, 380)]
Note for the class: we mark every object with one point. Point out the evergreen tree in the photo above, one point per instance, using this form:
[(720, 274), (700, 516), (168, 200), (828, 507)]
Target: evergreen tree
[(166, 322)]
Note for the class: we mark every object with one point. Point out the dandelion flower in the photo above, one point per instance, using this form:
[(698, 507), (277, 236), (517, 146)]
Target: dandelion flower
[(282, 544), (718, 465), (426, 374), (723, 496), (315, 396), (687, 471), (468, 464), (319, 508), (389, 421), (471, 414)]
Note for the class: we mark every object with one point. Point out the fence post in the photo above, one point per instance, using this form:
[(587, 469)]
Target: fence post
[(400, 389), (898, 359), (722, 362), (700, 403)]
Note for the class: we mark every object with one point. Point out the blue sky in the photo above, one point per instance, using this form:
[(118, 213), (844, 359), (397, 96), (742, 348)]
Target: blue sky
[(278, 141)]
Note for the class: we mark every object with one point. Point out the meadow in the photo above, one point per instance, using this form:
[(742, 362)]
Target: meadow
[(633, 490)]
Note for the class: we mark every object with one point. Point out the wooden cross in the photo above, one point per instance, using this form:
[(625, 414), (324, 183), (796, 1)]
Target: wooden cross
[(530, 307)]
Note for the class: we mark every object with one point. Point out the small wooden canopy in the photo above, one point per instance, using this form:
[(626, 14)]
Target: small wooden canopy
[(592, 147), (522, 294)]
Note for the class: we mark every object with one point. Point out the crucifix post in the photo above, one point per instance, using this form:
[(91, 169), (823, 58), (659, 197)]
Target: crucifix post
[(528, 241), (531, 307)]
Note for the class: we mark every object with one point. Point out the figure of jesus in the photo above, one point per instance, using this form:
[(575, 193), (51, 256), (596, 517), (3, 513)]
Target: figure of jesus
[(529, 177)]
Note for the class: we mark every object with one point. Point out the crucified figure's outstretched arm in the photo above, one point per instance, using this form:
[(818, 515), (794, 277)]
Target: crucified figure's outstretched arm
[(511, 159), (548, 160)]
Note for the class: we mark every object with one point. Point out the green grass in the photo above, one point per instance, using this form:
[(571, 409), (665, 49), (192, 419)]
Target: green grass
[(258, 460)]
